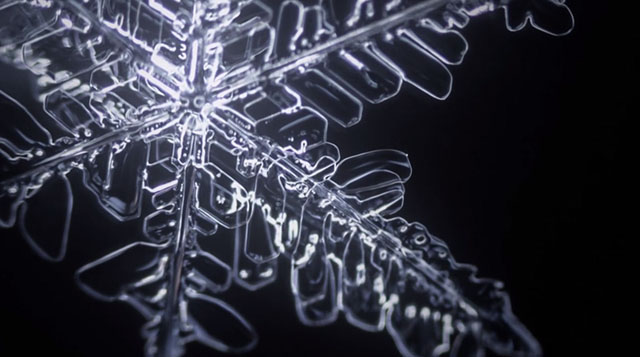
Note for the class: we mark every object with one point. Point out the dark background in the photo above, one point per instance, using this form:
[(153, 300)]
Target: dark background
[(523, 171)]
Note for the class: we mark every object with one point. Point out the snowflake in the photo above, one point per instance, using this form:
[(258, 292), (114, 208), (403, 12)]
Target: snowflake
[(208, 118)]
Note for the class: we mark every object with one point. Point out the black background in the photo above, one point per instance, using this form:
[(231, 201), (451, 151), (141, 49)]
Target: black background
[(523, 171)]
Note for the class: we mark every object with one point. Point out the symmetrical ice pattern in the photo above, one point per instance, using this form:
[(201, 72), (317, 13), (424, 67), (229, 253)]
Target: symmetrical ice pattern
[(206, 121)]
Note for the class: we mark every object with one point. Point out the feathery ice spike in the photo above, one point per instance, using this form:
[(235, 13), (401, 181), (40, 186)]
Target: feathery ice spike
[(206, 120)]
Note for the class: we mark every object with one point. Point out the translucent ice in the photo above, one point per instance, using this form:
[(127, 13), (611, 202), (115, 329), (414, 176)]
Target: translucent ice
[(204, 118)]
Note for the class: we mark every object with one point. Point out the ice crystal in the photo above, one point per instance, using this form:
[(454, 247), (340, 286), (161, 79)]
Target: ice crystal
[(206, 120)]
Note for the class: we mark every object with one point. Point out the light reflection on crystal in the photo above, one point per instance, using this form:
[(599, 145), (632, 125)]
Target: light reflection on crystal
[(207, 119)]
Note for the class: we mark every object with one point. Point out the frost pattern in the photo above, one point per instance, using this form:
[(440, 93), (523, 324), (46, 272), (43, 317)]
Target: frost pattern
[(206, 120)]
